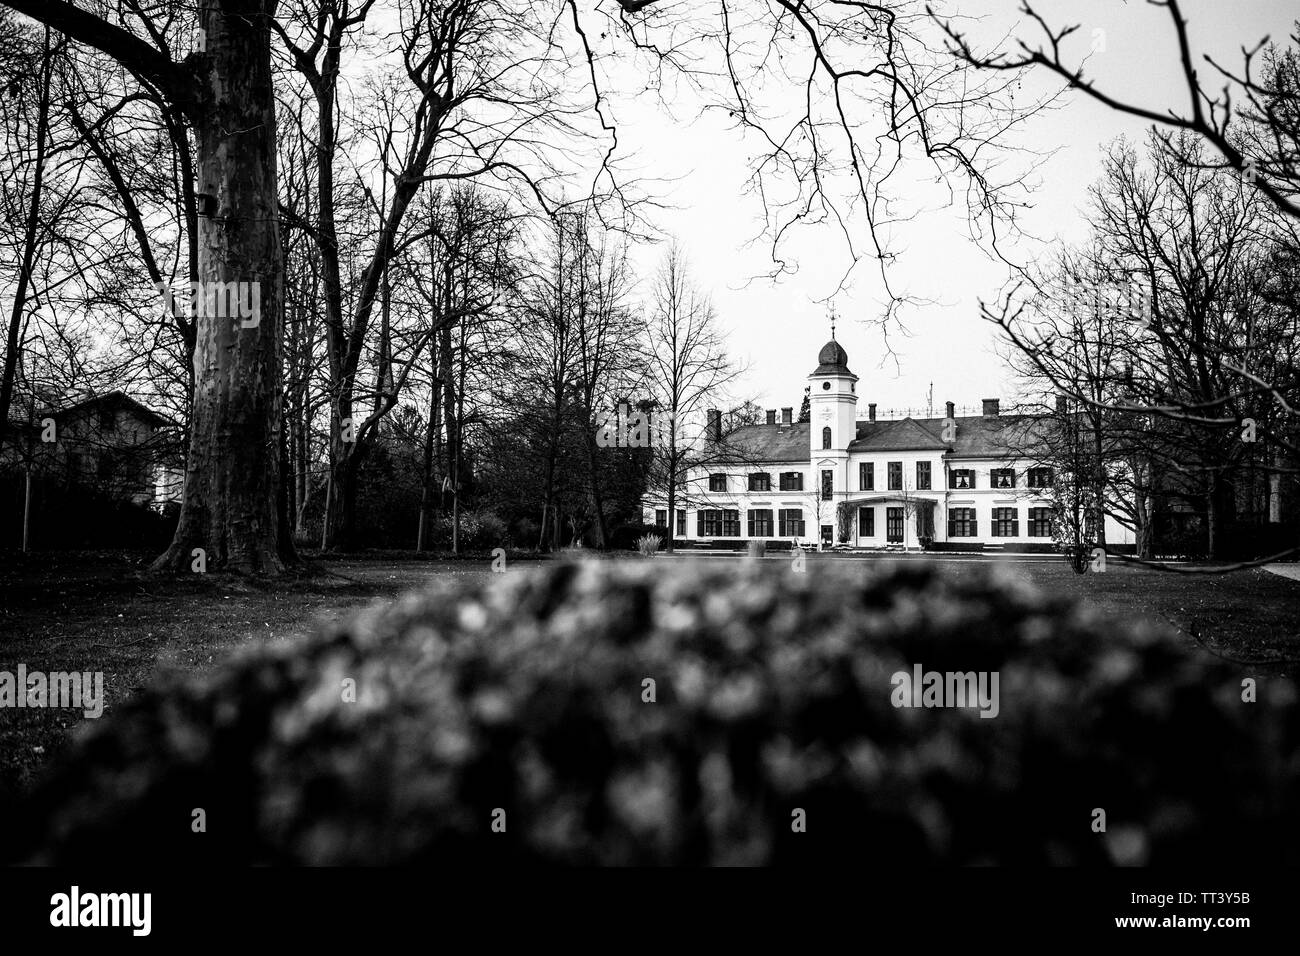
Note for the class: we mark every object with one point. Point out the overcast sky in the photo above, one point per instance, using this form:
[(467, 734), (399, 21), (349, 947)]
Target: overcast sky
[(774, 329)]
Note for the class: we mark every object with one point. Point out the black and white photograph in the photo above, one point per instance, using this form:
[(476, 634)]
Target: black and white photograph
[(447, 443)]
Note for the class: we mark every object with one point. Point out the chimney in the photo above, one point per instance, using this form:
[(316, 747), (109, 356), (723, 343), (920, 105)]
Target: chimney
[(990, 407), (714, 430), (787, 416), (871, 412), (1060, 405), (951, 410), (771, 416)]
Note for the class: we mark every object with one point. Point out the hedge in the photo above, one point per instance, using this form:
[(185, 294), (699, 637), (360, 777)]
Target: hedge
[(524, 693)]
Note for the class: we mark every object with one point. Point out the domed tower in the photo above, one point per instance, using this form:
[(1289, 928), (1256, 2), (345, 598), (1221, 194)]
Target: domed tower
[(833, 402)]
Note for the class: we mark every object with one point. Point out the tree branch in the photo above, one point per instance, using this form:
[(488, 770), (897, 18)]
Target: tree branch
[(144, 61)]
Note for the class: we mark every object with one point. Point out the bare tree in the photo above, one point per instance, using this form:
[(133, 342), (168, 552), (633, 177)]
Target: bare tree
[(847, 100), (224, 93), (31, 75), (1265, 153), (549, 354), (1168, 385), (688, 367), (840, 132), (605, 334), (472, 283)]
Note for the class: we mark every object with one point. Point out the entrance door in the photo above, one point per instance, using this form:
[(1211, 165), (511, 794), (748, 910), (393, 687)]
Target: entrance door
[(828, 534), (894, 525)]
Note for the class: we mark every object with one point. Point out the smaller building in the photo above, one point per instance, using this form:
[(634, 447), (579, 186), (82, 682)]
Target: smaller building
[(111, 444)]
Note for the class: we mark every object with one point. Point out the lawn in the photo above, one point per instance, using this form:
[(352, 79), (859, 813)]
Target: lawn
[(1250, 617), (101, 612)]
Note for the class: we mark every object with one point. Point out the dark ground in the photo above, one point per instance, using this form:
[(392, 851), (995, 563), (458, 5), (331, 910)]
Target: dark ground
[(101, 612)]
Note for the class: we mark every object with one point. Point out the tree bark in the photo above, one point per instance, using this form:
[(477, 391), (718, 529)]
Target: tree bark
[(232, 473)]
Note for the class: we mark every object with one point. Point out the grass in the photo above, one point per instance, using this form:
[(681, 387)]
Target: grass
[(102, 612), (1249, 617)]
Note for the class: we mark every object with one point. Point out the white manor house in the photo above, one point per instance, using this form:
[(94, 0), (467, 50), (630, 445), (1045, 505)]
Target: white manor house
[(953, 483)]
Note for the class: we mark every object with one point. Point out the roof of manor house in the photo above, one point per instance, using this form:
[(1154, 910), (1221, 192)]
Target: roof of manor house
[(978, 436)]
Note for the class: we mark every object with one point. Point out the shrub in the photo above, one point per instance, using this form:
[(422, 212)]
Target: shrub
[(649, 544), (78, 516), (524, 693), (626, 537), (526, 531), (1247, 540), (479, 531)]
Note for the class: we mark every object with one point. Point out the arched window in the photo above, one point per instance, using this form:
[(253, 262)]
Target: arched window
[(826, 438)]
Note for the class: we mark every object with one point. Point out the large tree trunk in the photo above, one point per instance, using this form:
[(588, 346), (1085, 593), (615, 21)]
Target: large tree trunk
[(232, 473)]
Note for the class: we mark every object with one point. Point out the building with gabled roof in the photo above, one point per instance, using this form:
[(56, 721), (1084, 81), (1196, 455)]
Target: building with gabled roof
[(971, 482), (111, 443)]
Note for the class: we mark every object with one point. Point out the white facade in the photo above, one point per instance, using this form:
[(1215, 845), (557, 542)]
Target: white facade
[(891, 506)]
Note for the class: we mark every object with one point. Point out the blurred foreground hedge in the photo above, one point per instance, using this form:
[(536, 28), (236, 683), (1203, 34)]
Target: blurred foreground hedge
[(524, 693)]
